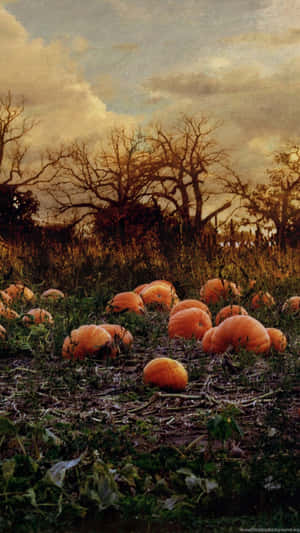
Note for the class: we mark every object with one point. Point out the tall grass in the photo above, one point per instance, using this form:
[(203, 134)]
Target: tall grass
[(87, 264)]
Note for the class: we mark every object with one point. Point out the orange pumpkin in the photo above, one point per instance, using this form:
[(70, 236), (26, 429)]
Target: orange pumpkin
[(3, 333), (291, 305), (239, 331), (126, 301), (139, 288), (166, 373), (5, 298), (18, 290), (187, 303), (88, 340), (7, 312), (214, 290), (278, 339), (188, 323), (121, 337), (206, 341), (262, 298), (37, 316), (159, 293), (230, 310), (53, 294)]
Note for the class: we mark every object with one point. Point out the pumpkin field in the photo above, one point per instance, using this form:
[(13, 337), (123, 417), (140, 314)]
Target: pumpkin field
[(140, 394)]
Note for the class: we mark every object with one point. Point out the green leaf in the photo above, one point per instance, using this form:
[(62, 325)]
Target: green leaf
[(8, 468), (7, 427)]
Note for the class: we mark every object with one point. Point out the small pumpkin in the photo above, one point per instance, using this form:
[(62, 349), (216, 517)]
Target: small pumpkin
[(159, 293), (230, 310), (52, 294), (291, 305), (251, 283), (126, 301), (187, 303), (18, 290), (122, 338), (239, 331), (166, 373), (278, 339), (216, 289), (189, 323), (37, 316), (3, 332), (7, 312), (260, 299), (5, 298), (87, 340)]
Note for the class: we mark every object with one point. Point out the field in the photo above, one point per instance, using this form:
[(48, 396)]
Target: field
[(87, 445)]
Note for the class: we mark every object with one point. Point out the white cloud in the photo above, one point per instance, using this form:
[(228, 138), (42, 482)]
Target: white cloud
[(51, 84)]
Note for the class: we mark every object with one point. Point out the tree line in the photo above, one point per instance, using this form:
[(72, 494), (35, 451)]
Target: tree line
[(168, 178)]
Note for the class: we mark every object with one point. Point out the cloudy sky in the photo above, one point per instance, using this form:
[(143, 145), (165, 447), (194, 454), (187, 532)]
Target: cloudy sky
[(83, 66)]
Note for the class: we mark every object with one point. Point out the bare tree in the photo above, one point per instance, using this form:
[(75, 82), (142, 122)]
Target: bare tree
[(188, 161), (117, 175), (18, 167), (277, 201)]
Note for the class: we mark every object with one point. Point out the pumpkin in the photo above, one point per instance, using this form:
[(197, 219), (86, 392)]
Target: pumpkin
[(239, 331), (187, 303), (126, 301), (251, 283), (18, 290), (3, 333), (37, 316), (139, 288), (121, 337), (262, 298), (214, 290), (230, 310), (159, 293), (206, 340), (7, 312), (5, 298), (53, 294), (165, 373), (188, 323), (278, 339), (291, 305), (87, 340)]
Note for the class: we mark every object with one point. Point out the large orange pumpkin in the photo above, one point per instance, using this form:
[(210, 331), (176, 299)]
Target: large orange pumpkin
[(126, 301), (230, 310), (87, 340), (239, 331), (291, 305), (166, 373), (206, 340), (159, 293), (187, 303), (139, 288), (121, 337), (52, 294), (18, 290), (262, 298), (278, 339), (189, 323), (37, 316), (215, 290)]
